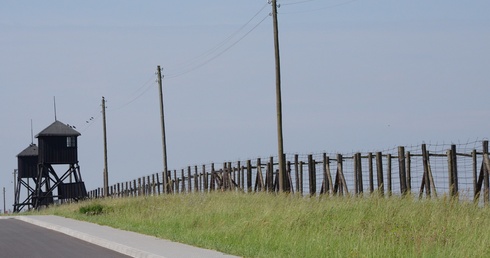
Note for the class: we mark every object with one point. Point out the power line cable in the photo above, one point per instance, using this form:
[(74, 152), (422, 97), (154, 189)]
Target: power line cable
[(298, 2), (316, 9), (193, 63), (144, 88), (218, 54), (133, 99), (222, 43)]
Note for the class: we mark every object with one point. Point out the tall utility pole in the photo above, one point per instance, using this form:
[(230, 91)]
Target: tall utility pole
[(280, 147), (164, 143), (106, 172), (15, 184), (17, 192), (54, 102), (4, 210)]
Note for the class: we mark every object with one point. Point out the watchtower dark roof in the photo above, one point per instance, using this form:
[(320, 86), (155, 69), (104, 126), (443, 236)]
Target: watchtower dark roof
[(32, 150), (58, 129)]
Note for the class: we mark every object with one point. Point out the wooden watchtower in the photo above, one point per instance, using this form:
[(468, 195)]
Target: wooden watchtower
[(58, 146), (27, 162)]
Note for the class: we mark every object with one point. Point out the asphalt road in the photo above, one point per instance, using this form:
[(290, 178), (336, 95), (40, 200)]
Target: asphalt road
[(22, 239)]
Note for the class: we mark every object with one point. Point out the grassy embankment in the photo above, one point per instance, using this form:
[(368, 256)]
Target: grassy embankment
[(266, 225)]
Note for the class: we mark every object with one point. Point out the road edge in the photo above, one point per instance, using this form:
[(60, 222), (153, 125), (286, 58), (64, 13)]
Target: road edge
[(123, 249)]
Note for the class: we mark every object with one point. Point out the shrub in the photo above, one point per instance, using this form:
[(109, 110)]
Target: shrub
[(92, 209)]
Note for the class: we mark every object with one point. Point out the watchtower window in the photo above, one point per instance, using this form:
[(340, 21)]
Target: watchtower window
[(71, 141)]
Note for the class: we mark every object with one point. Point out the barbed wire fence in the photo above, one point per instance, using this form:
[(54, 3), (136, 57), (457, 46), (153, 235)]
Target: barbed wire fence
[(427, 170)]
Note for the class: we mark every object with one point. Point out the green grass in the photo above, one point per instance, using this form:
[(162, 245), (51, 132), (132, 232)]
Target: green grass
[(267, 225)]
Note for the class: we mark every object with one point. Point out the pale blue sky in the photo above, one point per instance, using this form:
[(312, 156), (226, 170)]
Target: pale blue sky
[(358, 75)]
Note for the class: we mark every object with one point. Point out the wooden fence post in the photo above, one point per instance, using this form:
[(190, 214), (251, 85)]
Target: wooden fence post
[(259, 182), (142, 186), (201, 179), (475, 173), (232, 172), (289, 187), (158, 185), (249, 176), (409, 172), (425, 179), (324, 189), (237, 177), (135, 191), (176, 182), (301, 177), (183, 181), (125, 191), (223, 184), (312, 175), (328, 182), (139, 187), (450, 168), (153, 185), (371, 177), (213, 177), (296, 172), (189, 180), (230, 176), (130, 189), (269, 178), (227, 177), (340, 180), (359, 189), (452, 172), (379, 172), (388, 173), (224, 178), (454, 158), (359, 167), (486, 170), (356, 174), (148, 186), (402, 170), (205, 181), (196, 180), (243, 178)]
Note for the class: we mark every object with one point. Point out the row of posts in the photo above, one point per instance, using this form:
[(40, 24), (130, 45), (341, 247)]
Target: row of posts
[(333, 182)]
